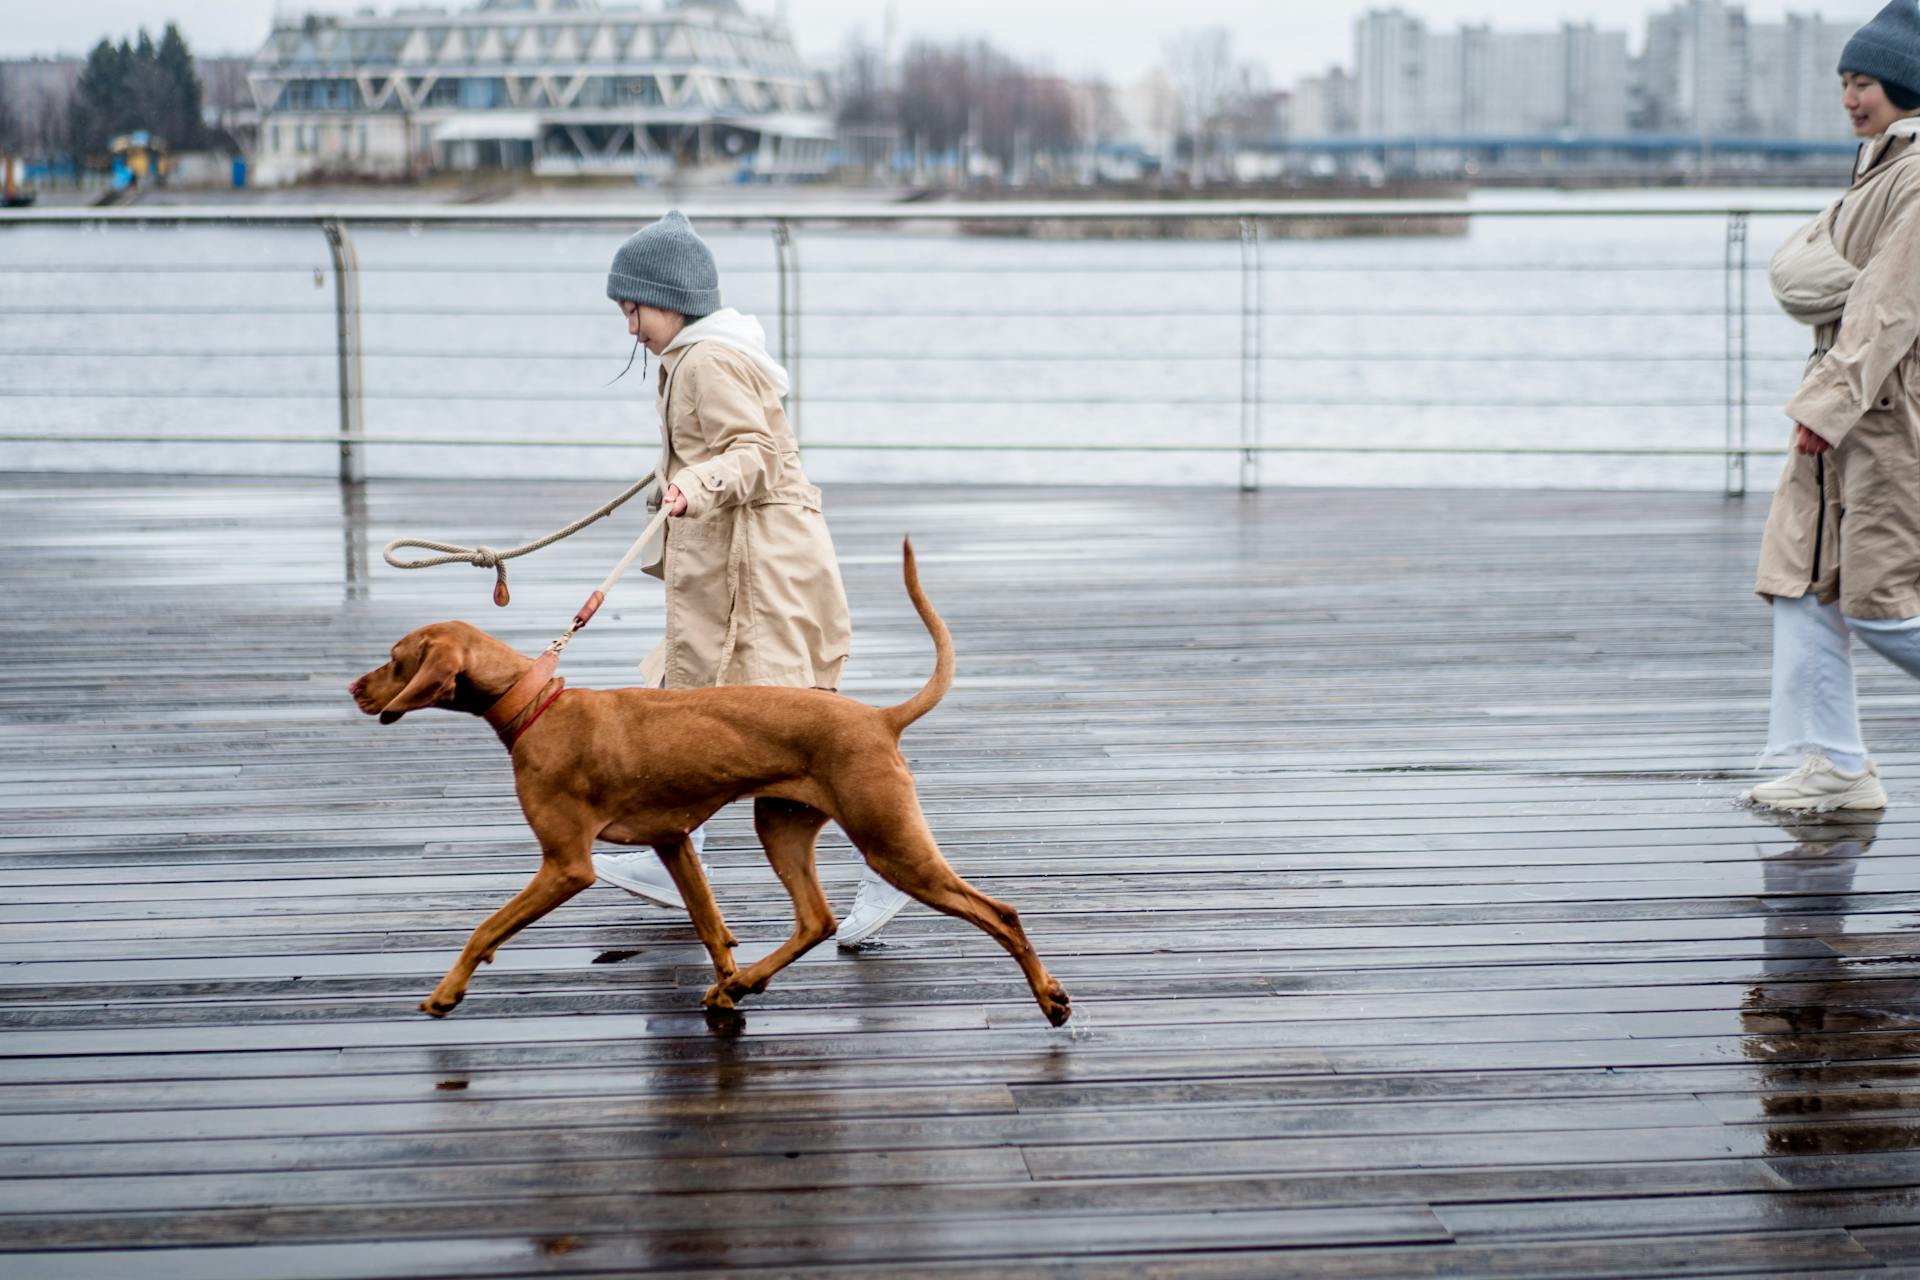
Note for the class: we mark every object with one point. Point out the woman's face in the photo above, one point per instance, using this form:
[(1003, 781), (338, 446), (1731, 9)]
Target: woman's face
[(655, 328), (1867, 105)]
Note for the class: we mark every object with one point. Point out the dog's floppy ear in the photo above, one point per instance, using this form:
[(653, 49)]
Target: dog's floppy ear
[(433, 683)]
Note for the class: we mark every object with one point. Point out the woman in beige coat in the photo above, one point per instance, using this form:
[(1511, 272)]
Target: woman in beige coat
[(753, 587), (1841, 554)]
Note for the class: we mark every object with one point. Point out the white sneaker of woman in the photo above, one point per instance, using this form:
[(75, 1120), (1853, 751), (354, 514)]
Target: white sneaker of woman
[(1820, 786)]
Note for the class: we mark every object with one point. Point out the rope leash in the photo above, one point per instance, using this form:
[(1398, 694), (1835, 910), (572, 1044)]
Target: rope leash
[(487, 558)]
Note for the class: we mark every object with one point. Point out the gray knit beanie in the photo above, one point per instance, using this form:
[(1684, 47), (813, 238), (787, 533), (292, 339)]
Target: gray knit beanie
[(667, 266), (1888, 49)]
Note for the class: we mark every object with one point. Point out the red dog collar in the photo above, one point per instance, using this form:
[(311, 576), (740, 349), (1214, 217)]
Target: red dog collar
[(517, 701)]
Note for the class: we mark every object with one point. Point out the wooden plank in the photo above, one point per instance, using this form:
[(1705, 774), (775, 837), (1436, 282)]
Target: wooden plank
[(1410, 929), (1006, 1203)]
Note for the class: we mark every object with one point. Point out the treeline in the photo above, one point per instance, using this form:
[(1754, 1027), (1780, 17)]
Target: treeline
[(133, 85), (968, 94)]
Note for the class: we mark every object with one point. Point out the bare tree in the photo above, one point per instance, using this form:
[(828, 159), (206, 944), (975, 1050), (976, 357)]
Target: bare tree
[(12, 127), (971, 96), (1252, 112), (1201, 66), (860, 84), (46, 128)]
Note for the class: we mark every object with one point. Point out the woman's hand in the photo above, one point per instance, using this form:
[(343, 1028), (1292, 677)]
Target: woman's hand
[(677, 501), (1807, 442)]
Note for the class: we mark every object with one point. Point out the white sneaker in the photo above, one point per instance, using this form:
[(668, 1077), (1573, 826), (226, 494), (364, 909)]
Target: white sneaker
[(1819, 786), (874, 903), (641, 874)]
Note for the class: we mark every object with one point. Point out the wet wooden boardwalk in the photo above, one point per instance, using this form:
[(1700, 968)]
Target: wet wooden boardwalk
[(1383, 839)]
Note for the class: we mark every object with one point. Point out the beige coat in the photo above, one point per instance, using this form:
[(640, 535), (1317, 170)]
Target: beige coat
[(753, 586), (1846, 524)]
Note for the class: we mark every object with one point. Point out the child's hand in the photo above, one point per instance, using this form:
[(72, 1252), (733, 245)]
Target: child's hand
[(1809, 443), (676, 501)]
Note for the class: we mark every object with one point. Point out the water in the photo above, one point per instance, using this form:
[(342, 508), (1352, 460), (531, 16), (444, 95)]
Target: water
[(1552, 332)]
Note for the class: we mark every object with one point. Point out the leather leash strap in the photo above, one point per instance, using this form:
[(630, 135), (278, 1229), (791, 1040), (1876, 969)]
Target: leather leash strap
[(516, 701)]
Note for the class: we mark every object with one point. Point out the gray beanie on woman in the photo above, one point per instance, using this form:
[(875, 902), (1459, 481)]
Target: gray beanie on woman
[(1888, 48), (667, 266)]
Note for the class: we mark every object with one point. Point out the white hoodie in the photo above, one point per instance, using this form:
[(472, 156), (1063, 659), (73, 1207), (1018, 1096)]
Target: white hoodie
[(743, 334), (1872, 149)]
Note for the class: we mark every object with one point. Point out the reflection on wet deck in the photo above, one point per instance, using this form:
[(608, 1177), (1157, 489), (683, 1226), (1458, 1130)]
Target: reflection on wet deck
[(1382, 838)]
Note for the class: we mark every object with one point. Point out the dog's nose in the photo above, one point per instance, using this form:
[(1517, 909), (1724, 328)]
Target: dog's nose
[(354, 688)]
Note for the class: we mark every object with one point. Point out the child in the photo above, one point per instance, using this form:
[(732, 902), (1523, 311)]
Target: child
[(753, 588)]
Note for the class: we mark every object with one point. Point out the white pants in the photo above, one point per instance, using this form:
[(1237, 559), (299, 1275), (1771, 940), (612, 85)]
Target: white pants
[(1814, 707)]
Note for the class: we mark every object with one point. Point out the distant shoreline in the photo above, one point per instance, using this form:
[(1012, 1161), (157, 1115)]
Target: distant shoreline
[(535, 193)]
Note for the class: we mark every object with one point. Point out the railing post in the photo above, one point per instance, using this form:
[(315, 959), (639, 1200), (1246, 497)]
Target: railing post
[(1734, 295), (787, 259), (353, 526), (1250, 389), (346, 314)]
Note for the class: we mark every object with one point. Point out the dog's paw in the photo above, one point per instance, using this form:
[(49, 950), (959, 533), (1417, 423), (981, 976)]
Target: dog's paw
[(1056, 1004), (717, 998), (437, 1006)]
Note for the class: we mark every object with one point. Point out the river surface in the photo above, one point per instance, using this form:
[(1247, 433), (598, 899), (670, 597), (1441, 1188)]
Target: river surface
[(994, 359)]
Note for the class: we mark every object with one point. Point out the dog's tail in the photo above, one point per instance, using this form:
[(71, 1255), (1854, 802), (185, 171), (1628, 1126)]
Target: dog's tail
[(942, 678)]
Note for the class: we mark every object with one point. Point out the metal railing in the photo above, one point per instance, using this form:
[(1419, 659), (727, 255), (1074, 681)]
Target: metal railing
[(1235, 291)]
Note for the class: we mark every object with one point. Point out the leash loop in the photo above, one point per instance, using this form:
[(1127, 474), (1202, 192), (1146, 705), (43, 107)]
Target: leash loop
[(485, 557)]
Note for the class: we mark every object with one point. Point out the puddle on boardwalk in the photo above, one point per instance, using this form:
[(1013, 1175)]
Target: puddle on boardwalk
[(1811, 1038)]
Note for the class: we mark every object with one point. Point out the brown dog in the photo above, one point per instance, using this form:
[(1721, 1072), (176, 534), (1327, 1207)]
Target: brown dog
[(646, 766)]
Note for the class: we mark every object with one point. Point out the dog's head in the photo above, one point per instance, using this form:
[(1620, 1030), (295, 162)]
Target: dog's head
[(426, 669)]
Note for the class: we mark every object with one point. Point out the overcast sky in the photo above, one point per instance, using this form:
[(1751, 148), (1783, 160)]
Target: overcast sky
[(1121, 39)]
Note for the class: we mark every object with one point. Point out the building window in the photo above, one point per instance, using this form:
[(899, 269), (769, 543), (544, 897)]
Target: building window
[(478, 93)]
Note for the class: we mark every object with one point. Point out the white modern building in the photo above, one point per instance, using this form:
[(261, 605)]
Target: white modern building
[(1323, 106), (1708, 69), (1390, 64), (1798, 62), (1598, 79), (1478, 82), (553, 86), (1695, 72)]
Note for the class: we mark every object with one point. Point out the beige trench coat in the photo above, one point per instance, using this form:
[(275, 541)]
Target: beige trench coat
[(1846, 524), (753, 586)]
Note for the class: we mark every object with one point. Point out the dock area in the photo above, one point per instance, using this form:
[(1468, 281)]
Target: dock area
[(1384, 839)]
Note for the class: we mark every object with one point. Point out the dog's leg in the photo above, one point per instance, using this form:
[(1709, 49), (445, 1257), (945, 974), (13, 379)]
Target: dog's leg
[(788, 831), (564, 871), (896, 842), (683, 864)]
